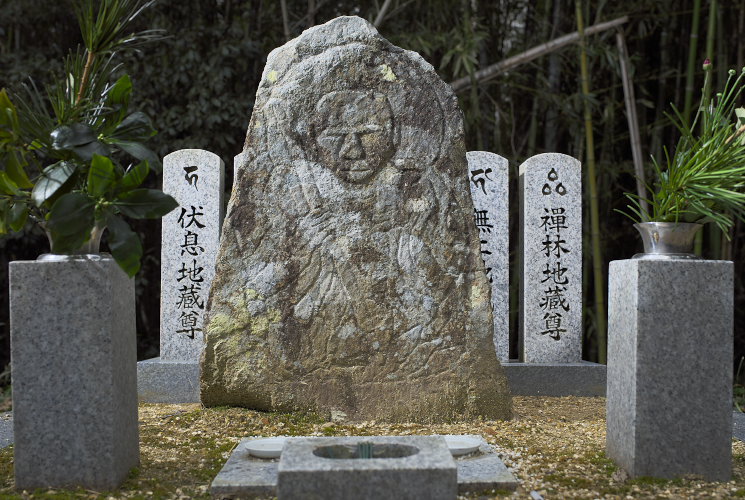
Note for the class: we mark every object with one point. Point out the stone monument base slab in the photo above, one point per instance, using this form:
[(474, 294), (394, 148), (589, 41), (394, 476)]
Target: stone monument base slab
[(555, 379), (161, 381)]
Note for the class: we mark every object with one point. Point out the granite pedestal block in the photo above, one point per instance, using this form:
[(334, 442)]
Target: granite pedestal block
[(429, 473), (164, 381), (73, 353), (669, 395)]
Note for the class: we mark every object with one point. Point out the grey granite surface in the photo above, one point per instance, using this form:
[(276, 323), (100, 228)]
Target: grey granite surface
[(556, 379), (244, 475), (73, 351), (429, 472), (669, 395), (190, 238), (489, 180), (738, 425), (6, 429), (162, 381), (551, 241)]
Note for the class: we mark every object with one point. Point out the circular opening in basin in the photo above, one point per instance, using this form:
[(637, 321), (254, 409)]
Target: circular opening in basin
[(378, 451)]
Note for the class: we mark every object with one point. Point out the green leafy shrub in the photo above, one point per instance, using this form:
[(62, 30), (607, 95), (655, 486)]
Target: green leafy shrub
[(72, 157)]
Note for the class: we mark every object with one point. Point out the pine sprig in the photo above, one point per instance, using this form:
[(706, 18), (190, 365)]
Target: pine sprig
[(704, 179)]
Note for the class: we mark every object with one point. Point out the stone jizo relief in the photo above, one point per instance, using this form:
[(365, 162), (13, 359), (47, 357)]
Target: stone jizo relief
[(349, 276)]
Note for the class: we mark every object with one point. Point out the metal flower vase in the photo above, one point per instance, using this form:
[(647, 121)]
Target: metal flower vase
[(667, 240)]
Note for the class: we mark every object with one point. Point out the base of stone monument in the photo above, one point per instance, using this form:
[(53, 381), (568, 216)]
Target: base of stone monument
[(669, 405), (74, 352), (244, 475), (162, 381), (555, 379)]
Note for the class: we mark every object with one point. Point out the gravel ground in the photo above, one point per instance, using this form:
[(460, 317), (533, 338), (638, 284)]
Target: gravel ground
[(555, 446)]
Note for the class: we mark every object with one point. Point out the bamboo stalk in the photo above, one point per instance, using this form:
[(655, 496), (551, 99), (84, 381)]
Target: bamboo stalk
[(740, 41), (554, 77), (714, 234), (311, 13), (691, 71), (634, 135), (494, 70), (657, 139), (597, 260), (285, 18), (381, 13)]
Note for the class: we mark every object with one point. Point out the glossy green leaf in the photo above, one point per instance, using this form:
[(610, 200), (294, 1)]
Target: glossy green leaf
[(14, 168), (4, 204), (101, 176), (71, 213), (70, 222), (87, 151), (145, 203), (124, 244), (8, 113), (7, 186), (142, 153), (135, 127), (80, 139), (135, 176), (52, 179), (120, 91), (67, 137), (18, 215)]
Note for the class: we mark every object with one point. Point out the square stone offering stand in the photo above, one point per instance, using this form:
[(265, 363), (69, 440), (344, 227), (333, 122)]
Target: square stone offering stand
[(73, 352), (669, 403), (302, 474)]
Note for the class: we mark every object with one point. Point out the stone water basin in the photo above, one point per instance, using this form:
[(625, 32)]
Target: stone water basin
[(245, 475)]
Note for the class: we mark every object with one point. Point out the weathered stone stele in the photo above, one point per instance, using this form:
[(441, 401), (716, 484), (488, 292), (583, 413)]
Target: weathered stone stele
[(349, 276)]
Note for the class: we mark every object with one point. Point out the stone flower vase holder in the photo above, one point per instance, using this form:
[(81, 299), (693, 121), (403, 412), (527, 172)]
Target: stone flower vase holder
[(669, 392), (73, 352)]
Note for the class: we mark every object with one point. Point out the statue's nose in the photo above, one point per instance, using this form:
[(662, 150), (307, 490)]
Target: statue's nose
[(351, 148)]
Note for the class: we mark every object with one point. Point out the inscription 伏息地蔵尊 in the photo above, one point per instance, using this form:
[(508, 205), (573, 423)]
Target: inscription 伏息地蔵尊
[(189, 279)]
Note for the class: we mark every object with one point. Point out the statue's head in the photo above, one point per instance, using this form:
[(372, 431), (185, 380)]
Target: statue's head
[(354, 133)]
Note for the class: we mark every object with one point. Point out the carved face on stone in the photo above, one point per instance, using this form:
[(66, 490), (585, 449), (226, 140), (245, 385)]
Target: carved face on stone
[(354, 133)]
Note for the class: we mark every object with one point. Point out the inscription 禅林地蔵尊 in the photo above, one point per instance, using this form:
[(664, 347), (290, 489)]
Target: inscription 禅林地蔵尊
[(553, 247)]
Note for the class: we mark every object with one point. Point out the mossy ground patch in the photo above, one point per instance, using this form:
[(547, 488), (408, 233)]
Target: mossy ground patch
[(555, 446)]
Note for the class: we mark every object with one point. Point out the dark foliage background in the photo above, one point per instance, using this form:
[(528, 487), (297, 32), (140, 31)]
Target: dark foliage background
[(198, 86)]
